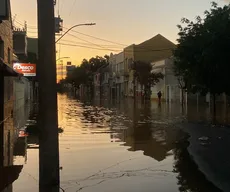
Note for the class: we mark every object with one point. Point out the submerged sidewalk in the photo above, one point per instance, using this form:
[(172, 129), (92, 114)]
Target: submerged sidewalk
[(209, 147)]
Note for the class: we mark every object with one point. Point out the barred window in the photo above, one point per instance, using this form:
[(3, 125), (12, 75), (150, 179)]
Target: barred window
[(9, 56)]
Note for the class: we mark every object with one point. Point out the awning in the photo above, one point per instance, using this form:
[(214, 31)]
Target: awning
[(8, 175), (7, 70)]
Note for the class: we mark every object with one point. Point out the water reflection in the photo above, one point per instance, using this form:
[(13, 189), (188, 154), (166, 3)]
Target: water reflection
[(149, 128), (189, 177), (15, 147), (118, 146)]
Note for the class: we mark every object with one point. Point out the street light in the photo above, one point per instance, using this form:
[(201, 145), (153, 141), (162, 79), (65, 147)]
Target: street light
[(85, 24), (62, 58)]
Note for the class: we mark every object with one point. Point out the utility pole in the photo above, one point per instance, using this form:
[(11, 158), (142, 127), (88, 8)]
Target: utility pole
[(49, 176)]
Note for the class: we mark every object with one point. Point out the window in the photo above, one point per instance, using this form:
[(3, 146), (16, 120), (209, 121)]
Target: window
[(9, 56), (2, 49)]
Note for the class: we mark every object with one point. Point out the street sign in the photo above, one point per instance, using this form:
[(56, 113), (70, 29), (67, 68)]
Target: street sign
[(27, 69)]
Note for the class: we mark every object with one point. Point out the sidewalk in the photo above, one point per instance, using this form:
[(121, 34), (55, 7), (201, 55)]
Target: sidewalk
[(209, 146)]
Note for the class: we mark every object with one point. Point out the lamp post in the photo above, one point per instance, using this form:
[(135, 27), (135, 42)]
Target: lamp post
[(85, 24), (62, 58)]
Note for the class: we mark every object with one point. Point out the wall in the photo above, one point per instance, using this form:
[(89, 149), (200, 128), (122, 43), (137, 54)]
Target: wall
[(154, 49), (120, 62), (22, 100), (6, 36), (169, 85)]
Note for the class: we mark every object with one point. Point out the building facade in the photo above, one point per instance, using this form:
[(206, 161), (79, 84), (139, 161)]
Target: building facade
[(7, 74), (6, 120), (117, 77), (169, 86), (119, 74), (112, 75), (154, 49)]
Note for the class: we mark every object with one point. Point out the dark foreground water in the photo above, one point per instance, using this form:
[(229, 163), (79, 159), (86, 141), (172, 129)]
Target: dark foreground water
[(118, 147)]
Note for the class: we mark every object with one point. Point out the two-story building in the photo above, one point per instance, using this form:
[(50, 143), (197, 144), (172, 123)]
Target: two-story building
[(112, 75), (101, 82), (7, 131), (117, 75), (154, 49), (169, 86)]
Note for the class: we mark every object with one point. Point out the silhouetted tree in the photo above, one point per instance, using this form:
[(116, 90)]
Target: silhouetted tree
[(202, 57), (144, 75), (84, 73)]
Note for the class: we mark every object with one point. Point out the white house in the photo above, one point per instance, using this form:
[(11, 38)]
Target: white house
[(169, 86), (116, 66)]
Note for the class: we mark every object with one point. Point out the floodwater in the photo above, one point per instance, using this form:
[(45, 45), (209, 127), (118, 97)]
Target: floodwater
[(117, 147)]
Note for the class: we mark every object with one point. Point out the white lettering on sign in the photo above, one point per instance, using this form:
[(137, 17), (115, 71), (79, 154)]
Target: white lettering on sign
[(24, 68)]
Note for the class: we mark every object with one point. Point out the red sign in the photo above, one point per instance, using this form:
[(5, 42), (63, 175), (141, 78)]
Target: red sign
[(27, 69)]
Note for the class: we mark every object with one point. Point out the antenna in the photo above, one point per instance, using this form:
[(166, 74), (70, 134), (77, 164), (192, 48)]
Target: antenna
[(14, 18)]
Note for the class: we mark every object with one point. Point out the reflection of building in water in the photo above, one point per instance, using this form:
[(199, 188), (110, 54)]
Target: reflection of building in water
[(154, 142), (147, 130)]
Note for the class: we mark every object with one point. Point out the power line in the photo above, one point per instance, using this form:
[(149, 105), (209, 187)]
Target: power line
[(85, 40), (104, 49), (147, 48), (18, 22), (28, 26), (115, 50), (104, 46), (98, 38)]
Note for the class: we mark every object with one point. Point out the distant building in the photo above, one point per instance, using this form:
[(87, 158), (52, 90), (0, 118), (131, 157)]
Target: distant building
[(154, 49), (70, 69), (20, 43), (112, 76), (169, 86), (101, 82), (116, 66)]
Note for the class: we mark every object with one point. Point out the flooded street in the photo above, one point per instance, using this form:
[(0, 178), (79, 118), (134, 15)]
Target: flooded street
[(111, 147)]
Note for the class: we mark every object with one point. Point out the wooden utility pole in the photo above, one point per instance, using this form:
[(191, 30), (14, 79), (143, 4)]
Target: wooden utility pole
[(49, 178)]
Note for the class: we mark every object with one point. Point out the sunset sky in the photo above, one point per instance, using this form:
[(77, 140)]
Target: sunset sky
[(120, 21)]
